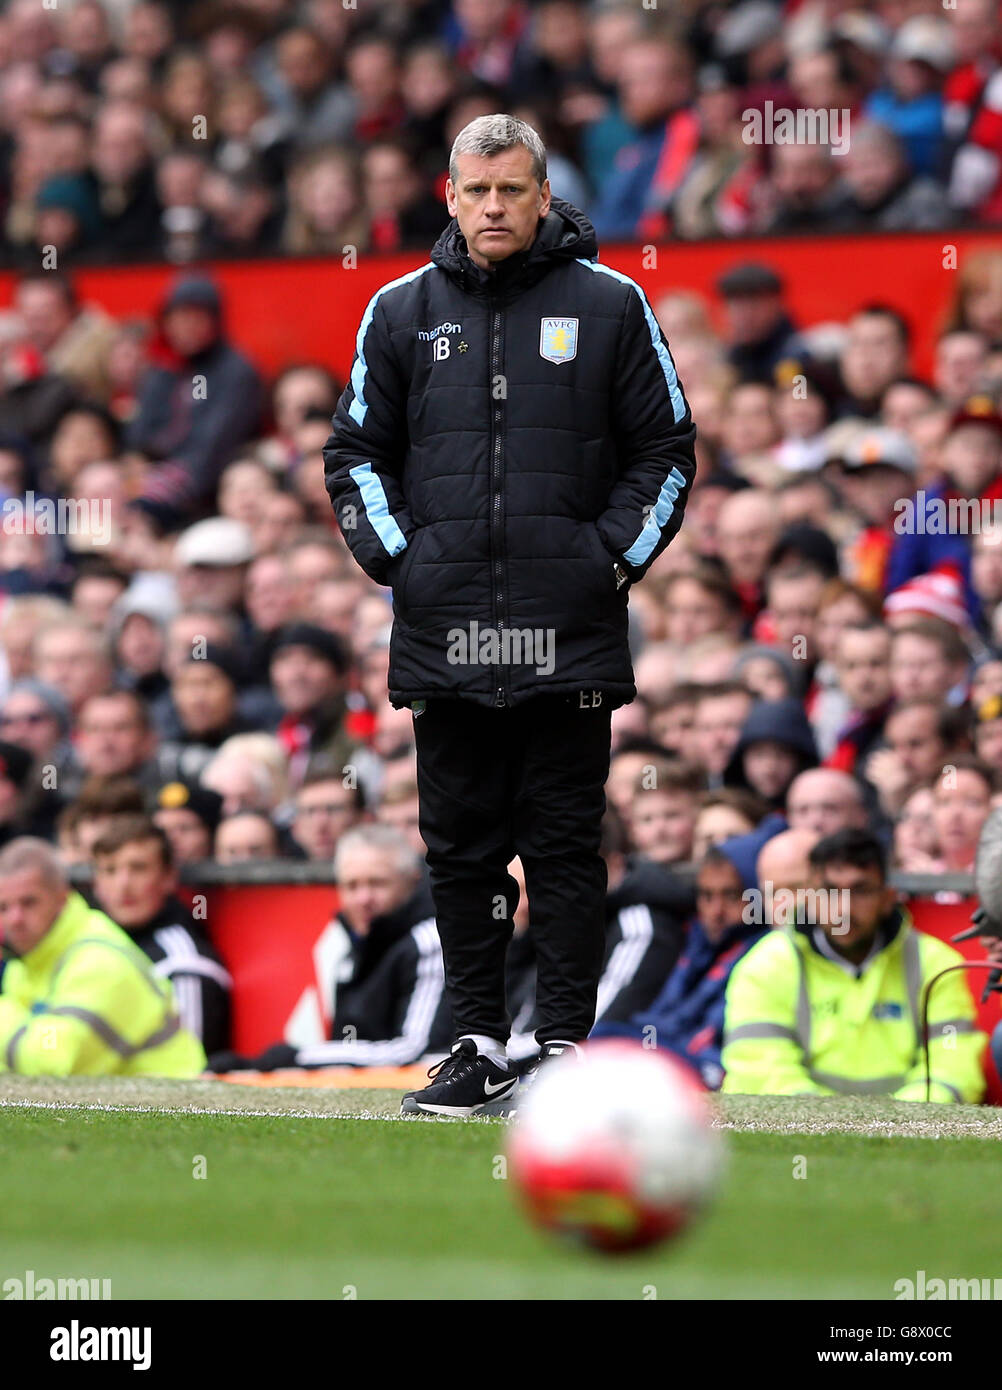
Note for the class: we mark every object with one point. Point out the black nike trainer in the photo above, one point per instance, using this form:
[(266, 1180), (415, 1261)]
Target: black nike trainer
[(461, 1084)]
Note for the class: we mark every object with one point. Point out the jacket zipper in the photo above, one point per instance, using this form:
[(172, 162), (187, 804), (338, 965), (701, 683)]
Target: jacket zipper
[(497, 498)]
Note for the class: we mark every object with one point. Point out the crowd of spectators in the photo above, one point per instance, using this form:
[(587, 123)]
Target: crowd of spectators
[(815, 653), (813, 645), (192, 666), (179, 131)]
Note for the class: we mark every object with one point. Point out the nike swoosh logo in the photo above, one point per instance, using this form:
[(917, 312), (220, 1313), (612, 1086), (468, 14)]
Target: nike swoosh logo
[(490, 1090)]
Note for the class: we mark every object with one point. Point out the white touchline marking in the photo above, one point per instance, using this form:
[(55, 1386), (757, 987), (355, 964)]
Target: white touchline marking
[(138, 1109)]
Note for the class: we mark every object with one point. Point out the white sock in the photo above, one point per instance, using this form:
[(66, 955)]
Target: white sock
[(489, 1047)]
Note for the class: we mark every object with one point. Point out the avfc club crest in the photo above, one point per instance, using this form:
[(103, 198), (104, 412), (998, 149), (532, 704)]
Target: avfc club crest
[(558, 339)]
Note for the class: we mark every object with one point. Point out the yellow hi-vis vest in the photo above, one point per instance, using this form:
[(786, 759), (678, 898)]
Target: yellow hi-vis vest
[(797, 1023), (85, 1002)]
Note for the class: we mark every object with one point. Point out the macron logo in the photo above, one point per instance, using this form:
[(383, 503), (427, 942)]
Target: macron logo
[(76, 1343)]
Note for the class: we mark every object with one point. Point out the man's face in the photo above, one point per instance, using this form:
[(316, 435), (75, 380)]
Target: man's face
[(190, 838), (653, 80), (719, 898), (793, 605), (769, 767), (243, 838), (972, 456), (204, 696), (45, 312), (28, 908), (27, 721), (747, 530), (371, 884), (919, 667), (864, 667), (693, 612), (189, 329), (752, 317), (672, 726), (960, 808), (133, 883), (498, 203), (869, 900), (324, 811), (875, 491), (215, 586), (824, 802), (111, 738), (719, 720), (302, 678), (914, 735), (405, 815), (70, 661), (874, 355), (662, 823)]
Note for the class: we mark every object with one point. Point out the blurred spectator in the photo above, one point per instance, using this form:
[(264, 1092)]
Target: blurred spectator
[(187, 441), (760, 331), (189, 816), (325, 808), (245, 837), (135, 883)]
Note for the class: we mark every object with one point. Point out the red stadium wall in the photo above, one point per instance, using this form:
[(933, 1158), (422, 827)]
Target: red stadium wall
[(271, 940), (283, 311)]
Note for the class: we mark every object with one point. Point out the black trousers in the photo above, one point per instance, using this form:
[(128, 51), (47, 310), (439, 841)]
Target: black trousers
[(528, 780)]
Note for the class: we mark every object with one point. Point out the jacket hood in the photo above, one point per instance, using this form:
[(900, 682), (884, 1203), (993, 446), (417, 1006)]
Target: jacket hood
[(781, 721), (564, 234), (654, 886), (743, 850)]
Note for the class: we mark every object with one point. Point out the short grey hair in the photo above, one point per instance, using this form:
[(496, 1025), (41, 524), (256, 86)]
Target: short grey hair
[(376, 835), (27, 854), (490, 135)]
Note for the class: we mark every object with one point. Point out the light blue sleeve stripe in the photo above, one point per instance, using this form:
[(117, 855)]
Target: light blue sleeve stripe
[(359, 406), (658, 516), (658, 342), (657, 519), (377, 509)]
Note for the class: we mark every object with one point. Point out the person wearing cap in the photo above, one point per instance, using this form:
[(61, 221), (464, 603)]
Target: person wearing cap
[(191, 418), (877, 473), (760, 331), (308, 671), (189, 815), (205, 709), (77, 996), (926, 540), (135, 883), (911, 103), (211, 560)]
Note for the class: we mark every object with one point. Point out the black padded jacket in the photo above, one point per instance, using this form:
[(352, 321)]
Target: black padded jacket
[(506, 439)]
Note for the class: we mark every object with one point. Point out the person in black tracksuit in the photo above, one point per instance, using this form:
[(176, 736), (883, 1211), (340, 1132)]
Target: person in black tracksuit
[(387, 995), (134, 881), (513, 449), (646, 914), (181, 950)]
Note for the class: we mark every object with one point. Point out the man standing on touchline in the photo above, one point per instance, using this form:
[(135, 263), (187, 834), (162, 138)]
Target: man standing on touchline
[(512, 451)]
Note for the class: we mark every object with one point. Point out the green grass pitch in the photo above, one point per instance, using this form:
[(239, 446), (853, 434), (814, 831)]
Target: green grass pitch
[(313, 1194)]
